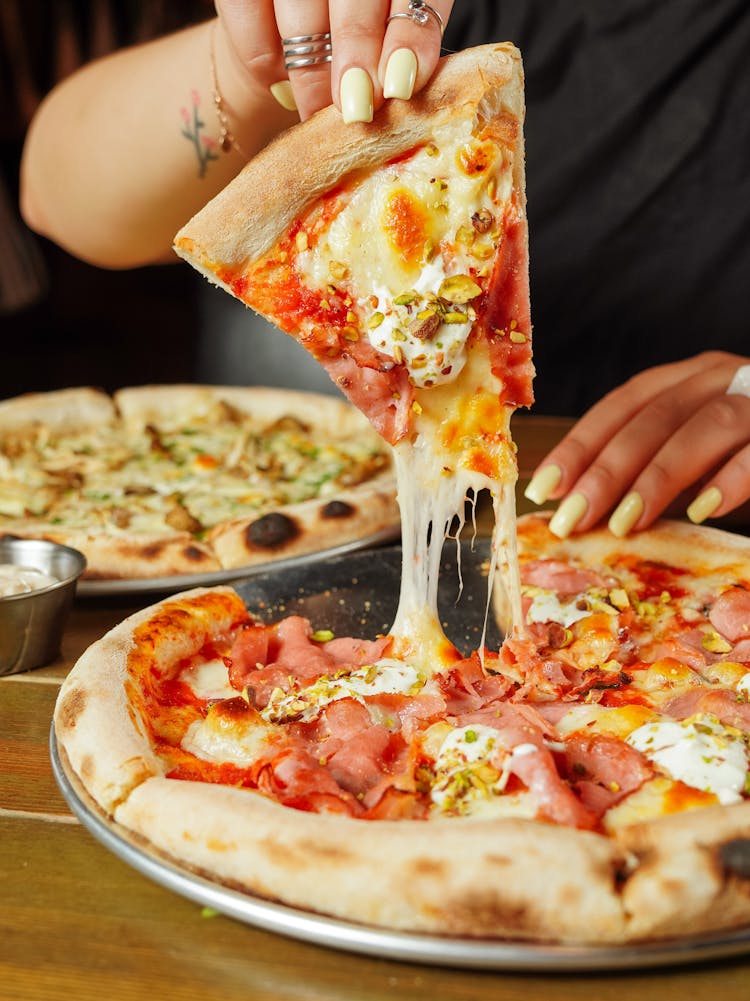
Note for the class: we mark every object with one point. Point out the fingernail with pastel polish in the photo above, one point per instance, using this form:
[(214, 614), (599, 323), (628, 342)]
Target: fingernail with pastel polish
[(704, 505), (356, 96), (626, 514), (543, 483), (400, 74), (567, 516), (282, 92)]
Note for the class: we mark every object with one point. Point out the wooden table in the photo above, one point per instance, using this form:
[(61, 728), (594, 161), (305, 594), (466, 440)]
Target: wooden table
[(78, 924)]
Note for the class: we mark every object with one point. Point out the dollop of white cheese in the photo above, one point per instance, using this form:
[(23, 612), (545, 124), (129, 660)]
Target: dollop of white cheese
[(743, 686), (701, 752), (209, 679), (430, 361), (472, 767), (16, 579), (221, 740), (386, 676), (547, 607)]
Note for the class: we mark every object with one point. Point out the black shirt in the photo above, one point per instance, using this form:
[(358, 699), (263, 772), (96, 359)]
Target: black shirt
[(638, 181)]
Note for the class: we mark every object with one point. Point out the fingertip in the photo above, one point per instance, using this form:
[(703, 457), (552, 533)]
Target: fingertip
[(570, 512), (543, 484), (284, 95), (626, 514), (400, 74), (356, 95), (704, 505)]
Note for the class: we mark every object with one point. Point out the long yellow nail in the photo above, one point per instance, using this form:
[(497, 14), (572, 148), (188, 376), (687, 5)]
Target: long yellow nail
[(400, 74), (704, 505), (626, 514), (567, 516), (282, 92), (356, 96), (543, 483)]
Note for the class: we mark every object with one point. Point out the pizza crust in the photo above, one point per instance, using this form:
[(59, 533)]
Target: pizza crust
[(61, 410), (489, 879), (481, 84), (684, 881)]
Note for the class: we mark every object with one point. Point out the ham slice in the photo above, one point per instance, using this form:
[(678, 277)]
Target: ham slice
[(721, 703), (604, 769), (730, 614)]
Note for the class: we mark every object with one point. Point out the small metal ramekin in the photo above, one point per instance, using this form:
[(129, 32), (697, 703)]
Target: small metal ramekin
[(32, 623)]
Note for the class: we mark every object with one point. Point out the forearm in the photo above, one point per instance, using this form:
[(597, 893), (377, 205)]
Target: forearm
[(123, 152)]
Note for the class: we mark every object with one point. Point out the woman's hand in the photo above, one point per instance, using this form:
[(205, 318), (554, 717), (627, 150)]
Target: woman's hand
[(371, 59), (668, 431)]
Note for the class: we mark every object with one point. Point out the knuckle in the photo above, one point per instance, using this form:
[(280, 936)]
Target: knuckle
[(722, 412), (602, 477), (658, 476), (574, 451), (741, 465)]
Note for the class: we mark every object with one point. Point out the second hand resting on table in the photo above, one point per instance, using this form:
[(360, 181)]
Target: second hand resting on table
[(666, 431), (669, 433)]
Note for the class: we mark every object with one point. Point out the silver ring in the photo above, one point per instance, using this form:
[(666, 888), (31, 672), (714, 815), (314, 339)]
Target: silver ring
[(740, 384), (306, 50), (420, 13)]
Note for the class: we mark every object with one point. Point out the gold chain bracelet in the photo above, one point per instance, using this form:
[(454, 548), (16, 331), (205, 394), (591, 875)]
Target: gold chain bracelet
[(227, 140)]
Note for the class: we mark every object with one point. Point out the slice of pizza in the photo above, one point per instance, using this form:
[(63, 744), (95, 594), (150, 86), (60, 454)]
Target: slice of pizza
[(396, 253)]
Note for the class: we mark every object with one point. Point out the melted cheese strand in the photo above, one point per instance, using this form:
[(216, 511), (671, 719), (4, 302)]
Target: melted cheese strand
[(462, 446)]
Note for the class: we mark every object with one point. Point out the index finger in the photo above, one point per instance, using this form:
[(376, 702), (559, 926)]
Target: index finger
[(412, 45)]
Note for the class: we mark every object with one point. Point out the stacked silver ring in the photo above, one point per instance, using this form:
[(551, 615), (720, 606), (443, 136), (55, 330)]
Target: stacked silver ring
[(306, 50)]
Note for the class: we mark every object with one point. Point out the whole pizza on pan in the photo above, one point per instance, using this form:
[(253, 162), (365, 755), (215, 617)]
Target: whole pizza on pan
[(157, 481), (587, 783)]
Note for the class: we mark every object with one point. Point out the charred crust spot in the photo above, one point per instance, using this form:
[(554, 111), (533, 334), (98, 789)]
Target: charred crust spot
[(272, 530), (155, 549), (193, 554), (87, 767), (337, 509), (488, 910), (735, 857), (429, 867), (330, 853), (71, 708), (502, 861)]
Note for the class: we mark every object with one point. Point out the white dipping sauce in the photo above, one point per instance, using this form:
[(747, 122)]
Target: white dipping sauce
[(16, 579)]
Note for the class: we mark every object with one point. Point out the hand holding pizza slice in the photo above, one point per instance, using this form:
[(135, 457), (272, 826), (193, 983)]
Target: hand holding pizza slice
[(398, 258)]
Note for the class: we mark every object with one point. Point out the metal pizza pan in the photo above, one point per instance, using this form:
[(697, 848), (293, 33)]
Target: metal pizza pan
[(181, 582)]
